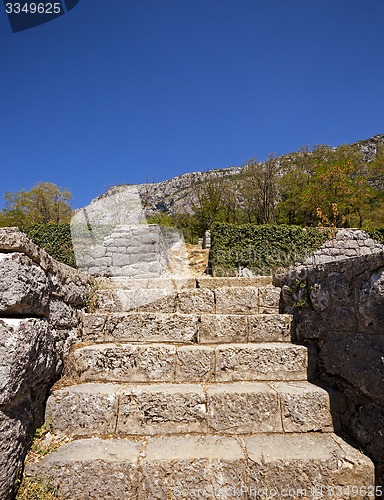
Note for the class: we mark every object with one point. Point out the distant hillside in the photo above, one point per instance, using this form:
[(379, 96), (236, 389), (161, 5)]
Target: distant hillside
[(176, 195)]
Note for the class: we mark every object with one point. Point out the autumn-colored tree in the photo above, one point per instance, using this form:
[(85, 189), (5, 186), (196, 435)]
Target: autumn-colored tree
[(45, 203), (343, 185)]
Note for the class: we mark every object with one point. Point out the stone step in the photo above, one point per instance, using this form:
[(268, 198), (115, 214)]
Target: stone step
[(123, 283), (295, 466), (186, 328), (223, 300), (152, 409), (142, 363)]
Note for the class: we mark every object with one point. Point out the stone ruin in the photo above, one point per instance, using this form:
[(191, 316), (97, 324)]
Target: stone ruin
[(111, 237)]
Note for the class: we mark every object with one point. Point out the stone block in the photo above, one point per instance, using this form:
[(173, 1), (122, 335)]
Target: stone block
[(305, 407), (28, 356), (243, 408), (61, 315), (195, 364), (270, 328), (92, 469), (196, 301), (219, 282), (236, 300), (192, 467), (269, 298), (162, 409), (298, 465), (115, 300), (223, 328), (133, 327), (261, 362), (156, 300), (24, 287), (83, 410), (123, 363), (15, 432)]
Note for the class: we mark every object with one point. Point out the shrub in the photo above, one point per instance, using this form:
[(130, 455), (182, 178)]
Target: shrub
[(54, 238), (263, 249)]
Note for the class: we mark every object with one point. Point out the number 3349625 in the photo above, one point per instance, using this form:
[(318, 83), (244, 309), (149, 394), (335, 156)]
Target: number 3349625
[(33, 8)]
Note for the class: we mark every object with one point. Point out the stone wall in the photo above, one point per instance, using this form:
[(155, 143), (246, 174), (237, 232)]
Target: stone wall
[(39, 315), (338, 311)]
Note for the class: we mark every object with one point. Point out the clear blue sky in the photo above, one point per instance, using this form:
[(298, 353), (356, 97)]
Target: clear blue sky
[(124, 91)]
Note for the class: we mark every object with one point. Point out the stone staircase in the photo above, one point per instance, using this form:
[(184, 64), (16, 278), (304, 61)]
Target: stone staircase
[(190, 388)]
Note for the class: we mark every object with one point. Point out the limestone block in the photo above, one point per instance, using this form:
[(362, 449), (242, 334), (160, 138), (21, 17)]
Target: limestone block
[(236, 300), (115, 300), (243, 408), (123, 363), (92, 469), (358, 359), (221, 328), (15, 434), (131, 327), (104, 261), (156, 300), (219, 282), (119, 260), (200, 300), (342, 319), (292, 462), (162, 409), (61, 315), (83, 410), (261, 362), (123, 283), (195, 364), (23, 286), (97, 251), (28, 356), (269, 297), (192, 467), (305, 407), (371, 302), (270, 328), (64, 281)]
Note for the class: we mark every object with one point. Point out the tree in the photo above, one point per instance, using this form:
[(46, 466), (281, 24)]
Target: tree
[(260, 190), (340, 192), (45, 203), (296, 171)]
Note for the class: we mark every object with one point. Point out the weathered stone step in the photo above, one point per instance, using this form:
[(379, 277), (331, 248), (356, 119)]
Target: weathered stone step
[(294, 466), (223, 300), (122, 283), (186, 328), (234, 408), (187, 363)]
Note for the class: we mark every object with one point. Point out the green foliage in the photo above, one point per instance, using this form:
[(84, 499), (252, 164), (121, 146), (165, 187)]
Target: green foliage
[(54, 238), (45, 203), (263, 249), (333, 182)]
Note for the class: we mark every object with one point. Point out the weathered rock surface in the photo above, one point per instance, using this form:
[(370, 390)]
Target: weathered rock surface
[(24, 286), (28, 356), (263, 466), (192, 392), (160, 362), (39, 299), (338, 308)]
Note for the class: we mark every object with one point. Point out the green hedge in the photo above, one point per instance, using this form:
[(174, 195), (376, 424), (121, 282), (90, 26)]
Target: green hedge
[(262, 249), (54, 238)]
